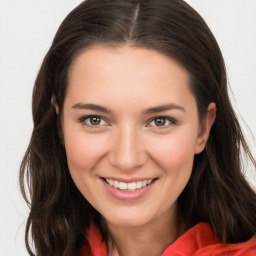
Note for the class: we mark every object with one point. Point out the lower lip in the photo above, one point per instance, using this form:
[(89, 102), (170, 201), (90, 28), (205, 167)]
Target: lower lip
[(128, 195)]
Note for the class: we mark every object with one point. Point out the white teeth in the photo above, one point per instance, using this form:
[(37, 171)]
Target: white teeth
[(116, 184), (110, 182), (144, 183), (128, 186), (139, 184), (123, 185), (132, 185)]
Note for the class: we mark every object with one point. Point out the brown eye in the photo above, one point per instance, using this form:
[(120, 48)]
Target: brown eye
[(160, 121), (94, 120)]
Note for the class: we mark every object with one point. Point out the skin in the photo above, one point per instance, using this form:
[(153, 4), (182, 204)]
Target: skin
[(127, 142)]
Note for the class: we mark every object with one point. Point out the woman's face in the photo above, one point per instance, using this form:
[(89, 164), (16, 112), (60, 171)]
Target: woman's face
[(131, 130)]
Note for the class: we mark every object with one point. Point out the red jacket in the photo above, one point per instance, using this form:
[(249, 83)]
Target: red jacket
[(199, 240)]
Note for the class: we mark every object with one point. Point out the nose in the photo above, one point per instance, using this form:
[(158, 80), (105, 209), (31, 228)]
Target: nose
[(127, 151)]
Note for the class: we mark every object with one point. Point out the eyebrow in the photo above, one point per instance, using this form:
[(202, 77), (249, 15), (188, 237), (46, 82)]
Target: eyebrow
[(148, 111), (91, 107), (163, 108)]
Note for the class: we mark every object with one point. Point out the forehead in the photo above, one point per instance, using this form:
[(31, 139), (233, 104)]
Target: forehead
[(124, 58), (120, 73)]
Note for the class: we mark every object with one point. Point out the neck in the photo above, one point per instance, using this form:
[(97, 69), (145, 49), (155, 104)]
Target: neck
[(150, 239)]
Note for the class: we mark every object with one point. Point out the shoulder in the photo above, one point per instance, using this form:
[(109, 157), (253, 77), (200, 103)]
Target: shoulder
[(202, 240), (240, 249)]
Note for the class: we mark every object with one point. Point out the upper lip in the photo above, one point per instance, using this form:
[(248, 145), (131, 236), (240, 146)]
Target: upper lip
[(135, 179)]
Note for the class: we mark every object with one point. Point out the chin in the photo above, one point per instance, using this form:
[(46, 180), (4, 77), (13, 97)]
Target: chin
[(129, 219)]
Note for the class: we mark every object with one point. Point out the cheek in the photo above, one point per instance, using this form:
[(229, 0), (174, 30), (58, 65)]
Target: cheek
[(83, 150), (175, 153)]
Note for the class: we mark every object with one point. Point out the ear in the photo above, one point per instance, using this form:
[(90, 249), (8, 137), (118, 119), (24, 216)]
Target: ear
[(58, 123), (205, 128), (55, 104)]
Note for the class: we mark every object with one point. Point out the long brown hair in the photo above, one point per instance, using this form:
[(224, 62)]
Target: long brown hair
[(217, 191)]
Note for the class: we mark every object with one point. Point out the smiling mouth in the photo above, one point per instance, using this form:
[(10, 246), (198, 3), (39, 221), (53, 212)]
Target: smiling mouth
[(131, 186)]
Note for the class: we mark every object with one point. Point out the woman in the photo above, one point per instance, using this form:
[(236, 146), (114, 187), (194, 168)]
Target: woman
[(136, 147)]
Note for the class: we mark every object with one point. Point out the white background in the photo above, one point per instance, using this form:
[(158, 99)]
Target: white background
[(27, 28)]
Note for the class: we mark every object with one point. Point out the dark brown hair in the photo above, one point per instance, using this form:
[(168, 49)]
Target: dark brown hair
[(217, 191)]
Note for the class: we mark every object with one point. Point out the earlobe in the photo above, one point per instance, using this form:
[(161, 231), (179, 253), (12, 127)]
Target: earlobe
[(205, 128), (54, 103)]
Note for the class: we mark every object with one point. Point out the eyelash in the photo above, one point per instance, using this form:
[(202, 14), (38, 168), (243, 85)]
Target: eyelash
[(171, 121), (84, 120)]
